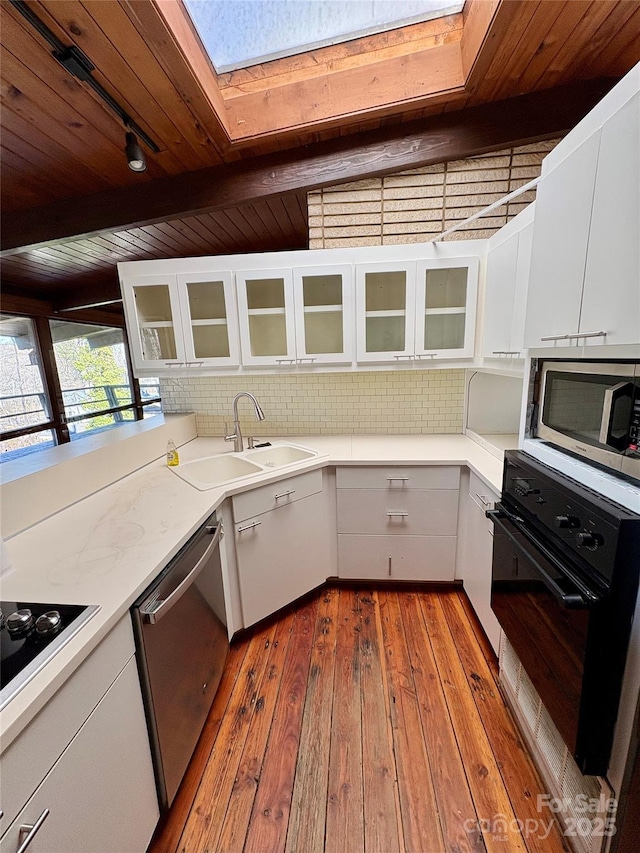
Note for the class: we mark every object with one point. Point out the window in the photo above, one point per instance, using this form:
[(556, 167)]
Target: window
[(85, 388), (246, 32)]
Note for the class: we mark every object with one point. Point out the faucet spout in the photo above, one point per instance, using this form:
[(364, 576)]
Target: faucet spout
[(238, 446)]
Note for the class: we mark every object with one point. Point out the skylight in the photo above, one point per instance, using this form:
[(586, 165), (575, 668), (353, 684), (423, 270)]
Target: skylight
[(240, 33)]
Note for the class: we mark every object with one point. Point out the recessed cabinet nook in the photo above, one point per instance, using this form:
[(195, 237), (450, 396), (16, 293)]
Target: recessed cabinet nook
[(388, 305)]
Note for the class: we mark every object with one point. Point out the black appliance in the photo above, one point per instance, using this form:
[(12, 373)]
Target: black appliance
[(565, 570), (29, 637)]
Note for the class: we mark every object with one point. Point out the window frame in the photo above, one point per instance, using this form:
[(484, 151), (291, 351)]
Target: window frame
[(58, 422)]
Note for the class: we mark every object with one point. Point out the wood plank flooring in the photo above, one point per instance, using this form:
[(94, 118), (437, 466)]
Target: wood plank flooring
[(361, 721)]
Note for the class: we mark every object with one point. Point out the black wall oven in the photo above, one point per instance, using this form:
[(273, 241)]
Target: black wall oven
[(564, 584)]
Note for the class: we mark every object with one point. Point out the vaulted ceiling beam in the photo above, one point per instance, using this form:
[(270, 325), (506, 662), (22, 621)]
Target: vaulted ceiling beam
[(449, 136)]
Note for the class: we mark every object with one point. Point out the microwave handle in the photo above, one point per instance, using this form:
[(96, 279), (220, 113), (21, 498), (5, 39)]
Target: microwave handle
[(607, 411)]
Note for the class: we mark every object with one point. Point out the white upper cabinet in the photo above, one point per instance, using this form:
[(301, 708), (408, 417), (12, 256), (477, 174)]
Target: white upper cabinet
[(385, 311), (508, 264), (446, 292), (323, 298), (266, 314), (560, 237), (611, 298), (207, 306), (408, 312), (152, 310), (585, 265)]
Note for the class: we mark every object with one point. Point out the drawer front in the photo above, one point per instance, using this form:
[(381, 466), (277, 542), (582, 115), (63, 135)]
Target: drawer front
[(265, 498), (375, 511), (482, 495), (399, 478), (420, 558), (30, 757)]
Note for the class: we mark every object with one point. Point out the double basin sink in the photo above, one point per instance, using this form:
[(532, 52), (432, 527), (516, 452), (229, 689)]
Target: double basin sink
[(212, 471)]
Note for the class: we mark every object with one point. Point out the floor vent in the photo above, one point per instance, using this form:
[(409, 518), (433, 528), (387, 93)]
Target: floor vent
[(582, 804)]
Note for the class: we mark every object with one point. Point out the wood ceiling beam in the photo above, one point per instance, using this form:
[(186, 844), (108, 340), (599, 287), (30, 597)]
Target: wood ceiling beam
[(450, 136)]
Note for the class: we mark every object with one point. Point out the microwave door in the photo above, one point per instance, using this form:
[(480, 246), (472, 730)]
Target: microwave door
[(631, 456), (616, 415)]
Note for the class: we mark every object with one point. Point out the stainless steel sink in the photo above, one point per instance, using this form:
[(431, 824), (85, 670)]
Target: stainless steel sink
[(212, 471)]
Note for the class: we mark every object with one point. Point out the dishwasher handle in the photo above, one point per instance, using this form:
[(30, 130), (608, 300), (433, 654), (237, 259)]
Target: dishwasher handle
[(154, 611)]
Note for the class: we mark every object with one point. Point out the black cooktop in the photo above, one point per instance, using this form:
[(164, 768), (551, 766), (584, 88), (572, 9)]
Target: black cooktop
[(29, 637)]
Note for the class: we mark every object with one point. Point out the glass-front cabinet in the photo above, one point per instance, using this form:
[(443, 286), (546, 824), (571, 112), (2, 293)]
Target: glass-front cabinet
[(265, 305), (385, 295), (152, 308), (210, 325), (323, 312), (446, 292)]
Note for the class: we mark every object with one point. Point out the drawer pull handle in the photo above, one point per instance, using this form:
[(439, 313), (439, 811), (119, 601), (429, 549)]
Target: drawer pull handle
[(249, 526), (397, 514), (28, 831), (398, 478), (284, 494), (389, 566), (483, 499)]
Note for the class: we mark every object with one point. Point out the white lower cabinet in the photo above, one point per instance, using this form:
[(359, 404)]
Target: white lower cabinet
[(99, 796), (285, 547), (397, 523), (476, 552)]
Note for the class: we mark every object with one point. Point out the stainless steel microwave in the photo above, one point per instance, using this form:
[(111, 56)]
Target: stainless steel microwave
[(592, 409)]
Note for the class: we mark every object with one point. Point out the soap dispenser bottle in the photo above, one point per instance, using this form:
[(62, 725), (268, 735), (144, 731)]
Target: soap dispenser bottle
[(172, 454)]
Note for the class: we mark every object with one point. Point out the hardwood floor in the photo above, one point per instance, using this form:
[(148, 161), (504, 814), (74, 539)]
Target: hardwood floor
[(361, 721)]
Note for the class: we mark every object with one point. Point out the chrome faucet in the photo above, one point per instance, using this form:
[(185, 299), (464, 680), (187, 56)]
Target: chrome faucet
[(236, 438)]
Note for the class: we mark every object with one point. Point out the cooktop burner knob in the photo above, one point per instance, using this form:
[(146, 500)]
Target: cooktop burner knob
[(588, 540), (564, 521), (48, 623), (20, 621)]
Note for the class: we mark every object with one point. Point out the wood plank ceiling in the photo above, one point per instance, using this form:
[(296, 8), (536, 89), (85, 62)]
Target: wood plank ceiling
[(249, 144)]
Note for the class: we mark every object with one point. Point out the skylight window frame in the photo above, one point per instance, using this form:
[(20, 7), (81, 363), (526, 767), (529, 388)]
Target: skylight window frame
[(448, 8)]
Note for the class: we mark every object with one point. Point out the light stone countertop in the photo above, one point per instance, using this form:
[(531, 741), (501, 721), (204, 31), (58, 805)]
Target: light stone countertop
[(107, 548)]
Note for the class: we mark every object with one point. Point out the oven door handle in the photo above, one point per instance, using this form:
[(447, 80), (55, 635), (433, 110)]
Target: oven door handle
[(571, 601)]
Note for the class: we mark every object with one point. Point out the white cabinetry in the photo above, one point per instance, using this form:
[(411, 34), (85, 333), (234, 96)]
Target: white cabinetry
[(181, 322), (283, 535), (585, 263), (407, 312), (265, 304), (397, 523), (476, 551), (84, 762), (508, 264)]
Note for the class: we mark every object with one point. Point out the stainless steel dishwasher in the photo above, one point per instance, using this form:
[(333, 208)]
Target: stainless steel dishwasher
[(182, 645)]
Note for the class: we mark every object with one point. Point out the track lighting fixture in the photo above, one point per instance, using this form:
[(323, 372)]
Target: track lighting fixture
[(135, 157)]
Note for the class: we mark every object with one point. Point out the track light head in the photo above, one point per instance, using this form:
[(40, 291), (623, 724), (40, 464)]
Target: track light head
[(135, 157)]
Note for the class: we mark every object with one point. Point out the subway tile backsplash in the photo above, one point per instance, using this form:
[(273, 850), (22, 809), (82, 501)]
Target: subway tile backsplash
[(356, 403)]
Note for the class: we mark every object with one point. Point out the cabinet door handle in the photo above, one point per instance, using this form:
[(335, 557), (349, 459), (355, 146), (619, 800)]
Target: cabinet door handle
[(285, 361), (284, 494), (428, 355), (28, 831), (409, 357), (308, 358), (398, 478), (483, 499), (389, 567), (574, 336), (397, 514), (249, 526)]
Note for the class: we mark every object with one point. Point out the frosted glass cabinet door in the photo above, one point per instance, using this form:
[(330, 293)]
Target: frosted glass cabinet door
[(385, 295), (153, 319), (209, 319), (267, 328), (324, 317), (446, 293)]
